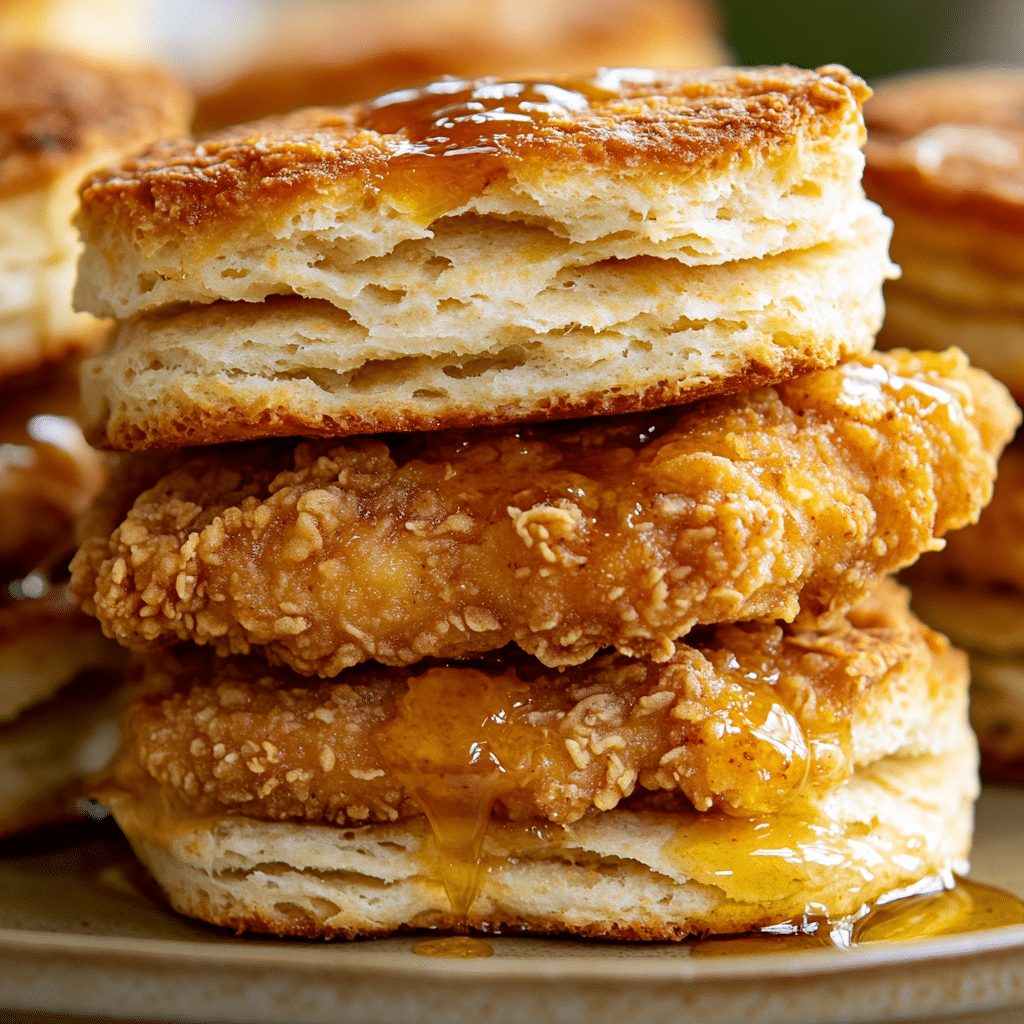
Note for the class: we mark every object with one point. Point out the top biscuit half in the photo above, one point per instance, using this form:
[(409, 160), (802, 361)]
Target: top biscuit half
[(480, 252), (62, 116)]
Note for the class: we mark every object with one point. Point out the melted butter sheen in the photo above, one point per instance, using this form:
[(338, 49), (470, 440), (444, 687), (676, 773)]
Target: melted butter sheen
[(469, 125)]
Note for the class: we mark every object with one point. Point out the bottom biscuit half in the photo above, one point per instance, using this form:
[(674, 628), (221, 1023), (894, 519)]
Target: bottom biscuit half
[(649, 869)]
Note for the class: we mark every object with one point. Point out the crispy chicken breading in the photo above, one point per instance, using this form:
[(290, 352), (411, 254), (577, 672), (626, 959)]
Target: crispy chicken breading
[(565, 538), (743, 719)]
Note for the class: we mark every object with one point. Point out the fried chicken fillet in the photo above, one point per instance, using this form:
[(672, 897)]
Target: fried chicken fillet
[(741, 719), (562, 539)]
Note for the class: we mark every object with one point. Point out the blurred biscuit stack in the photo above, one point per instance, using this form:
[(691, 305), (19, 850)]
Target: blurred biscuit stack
[(946, 162), (60, 117), (637, 673)]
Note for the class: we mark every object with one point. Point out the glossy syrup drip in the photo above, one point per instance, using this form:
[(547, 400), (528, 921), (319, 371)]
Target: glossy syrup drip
[(453, 132), (864, 385), (968, 906), (448, 765), (454, 117)]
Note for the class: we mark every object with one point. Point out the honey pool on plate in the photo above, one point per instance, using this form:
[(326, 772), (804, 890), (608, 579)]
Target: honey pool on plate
[(967, 907)]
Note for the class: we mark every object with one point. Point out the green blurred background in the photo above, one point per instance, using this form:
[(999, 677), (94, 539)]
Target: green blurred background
[(874, 37)]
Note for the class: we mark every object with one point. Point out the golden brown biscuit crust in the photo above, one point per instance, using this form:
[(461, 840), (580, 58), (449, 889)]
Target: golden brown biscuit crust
[(563, 539), (56, 108), (949, 144), (684, 122)]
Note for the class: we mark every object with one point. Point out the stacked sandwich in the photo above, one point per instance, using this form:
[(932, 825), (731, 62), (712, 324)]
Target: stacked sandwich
[(946, 161), (60, 117), (637, 673)]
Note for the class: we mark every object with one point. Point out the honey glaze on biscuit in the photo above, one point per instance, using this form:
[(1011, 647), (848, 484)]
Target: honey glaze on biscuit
[(456, 735), (473, 122), (449, 765), (461, 738)]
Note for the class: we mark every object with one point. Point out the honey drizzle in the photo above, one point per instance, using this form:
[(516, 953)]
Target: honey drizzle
[(449, 768), (456, 765), (472, 126), (968, 906)]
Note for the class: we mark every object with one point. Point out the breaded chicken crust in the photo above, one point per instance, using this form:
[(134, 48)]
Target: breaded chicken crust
[(743, 719), (565, 538)]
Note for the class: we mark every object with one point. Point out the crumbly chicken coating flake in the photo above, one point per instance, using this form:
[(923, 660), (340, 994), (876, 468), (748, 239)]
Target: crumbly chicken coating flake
[(743, 720), (563, 539)]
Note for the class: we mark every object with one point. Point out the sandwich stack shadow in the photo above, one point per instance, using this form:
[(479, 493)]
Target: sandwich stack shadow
[(599, 638), (946, 160)]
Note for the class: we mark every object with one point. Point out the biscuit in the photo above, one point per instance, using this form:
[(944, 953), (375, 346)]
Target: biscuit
[(894, 822), (702, 166), (551, 342), (564, 538), (49, 751), (945, 159), (470, 234), (44, 643), (997, 715), (340, 53), (62, 116)]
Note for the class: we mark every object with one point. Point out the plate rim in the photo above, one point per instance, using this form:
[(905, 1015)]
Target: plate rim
[(401, 962)]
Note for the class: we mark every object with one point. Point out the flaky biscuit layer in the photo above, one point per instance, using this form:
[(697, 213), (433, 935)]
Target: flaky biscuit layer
[(563, 539), (420, 348), (703, 167), (62, 116)]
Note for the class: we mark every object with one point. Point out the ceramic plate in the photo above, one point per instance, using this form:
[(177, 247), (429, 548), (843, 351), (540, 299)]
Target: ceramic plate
[(81, 932)]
